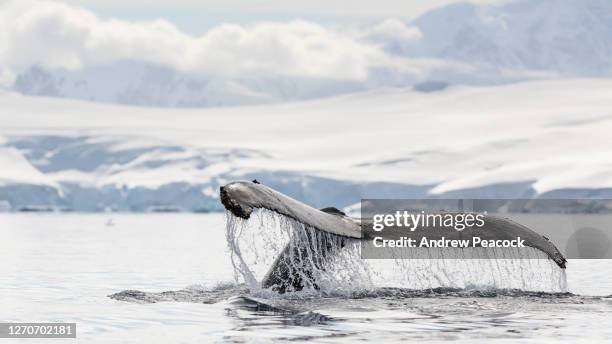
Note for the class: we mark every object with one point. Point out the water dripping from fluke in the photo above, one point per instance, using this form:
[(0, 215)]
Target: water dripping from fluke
[(279, 245), (274, 254)]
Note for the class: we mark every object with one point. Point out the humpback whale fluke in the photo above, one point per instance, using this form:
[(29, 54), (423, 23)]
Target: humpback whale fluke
[(242, 197), (332, 227)]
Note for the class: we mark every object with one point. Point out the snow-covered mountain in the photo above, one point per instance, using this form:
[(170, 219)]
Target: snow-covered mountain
[(507, 100), (145, 84), (461, 43), (532, 139), (573, 38)]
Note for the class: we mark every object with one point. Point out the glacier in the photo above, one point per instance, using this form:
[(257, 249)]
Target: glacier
[(545, 138)]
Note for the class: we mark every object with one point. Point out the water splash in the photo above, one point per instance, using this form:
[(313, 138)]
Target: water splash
[(309, 261), (302, 256)]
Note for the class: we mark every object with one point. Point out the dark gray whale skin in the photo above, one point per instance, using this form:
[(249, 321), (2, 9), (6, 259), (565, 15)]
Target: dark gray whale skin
[(242, 197)]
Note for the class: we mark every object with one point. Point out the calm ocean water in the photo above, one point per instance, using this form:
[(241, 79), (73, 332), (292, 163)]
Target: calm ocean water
[(62, 267)]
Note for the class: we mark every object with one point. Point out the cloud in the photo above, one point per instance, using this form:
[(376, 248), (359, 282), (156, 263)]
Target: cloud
[(358, 8), (53, 34), (394, 30), (297, 48)]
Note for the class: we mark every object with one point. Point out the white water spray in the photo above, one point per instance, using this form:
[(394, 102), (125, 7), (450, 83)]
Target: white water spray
[(329, 264)]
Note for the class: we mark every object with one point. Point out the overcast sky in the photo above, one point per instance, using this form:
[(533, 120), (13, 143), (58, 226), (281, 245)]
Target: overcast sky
[(198, 15)]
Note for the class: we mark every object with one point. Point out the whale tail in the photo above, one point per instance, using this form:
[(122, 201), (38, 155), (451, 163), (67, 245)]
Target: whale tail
[(306, 252), (326, 231)]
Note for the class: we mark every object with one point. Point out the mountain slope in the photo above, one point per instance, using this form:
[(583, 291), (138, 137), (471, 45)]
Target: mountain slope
[(566, 37), (519, 140)]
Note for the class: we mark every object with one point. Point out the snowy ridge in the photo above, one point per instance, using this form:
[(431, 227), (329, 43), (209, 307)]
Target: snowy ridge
[(520, 140)]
